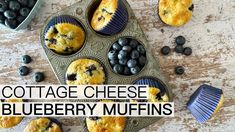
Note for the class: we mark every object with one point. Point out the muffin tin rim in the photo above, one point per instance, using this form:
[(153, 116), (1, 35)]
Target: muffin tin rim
[(140, 42), (89, 7)]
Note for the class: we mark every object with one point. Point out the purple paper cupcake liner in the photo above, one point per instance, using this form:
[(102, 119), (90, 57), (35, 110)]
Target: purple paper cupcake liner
[(203, 102), (118, 22)]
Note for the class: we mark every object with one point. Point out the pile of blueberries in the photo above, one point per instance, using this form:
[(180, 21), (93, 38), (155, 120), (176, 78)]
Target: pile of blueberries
[(24, 70), (14, 12), (127, 56), (180, 42)]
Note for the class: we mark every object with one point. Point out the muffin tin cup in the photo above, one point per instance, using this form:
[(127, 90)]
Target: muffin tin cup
[(97, 46), (204, 102)]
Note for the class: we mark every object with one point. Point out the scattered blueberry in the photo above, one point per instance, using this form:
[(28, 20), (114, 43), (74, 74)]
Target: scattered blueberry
[(3, 6), (23, 70), (141, 49), (23, 2), (11, 23), (2, 19), (10, 14), (118, 69), (180, 40), (135, 70), (123, 41), (179, 70), (126, 48), (14, 5), (131, 63), (135, 54), (117, 47), (31, 3), (179, 49), (39, 77), (142, 60), (187, 51), (133, 43), (112, 55), (24, 12), (26, 59), (165, 50)]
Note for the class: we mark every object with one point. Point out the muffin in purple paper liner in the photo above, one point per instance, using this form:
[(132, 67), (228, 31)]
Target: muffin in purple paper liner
[(205, 102), (64, 35), (157, 90), (110, 17)]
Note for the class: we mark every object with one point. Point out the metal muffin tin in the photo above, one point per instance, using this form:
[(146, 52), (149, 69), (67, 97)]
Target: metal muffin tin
[(97, 46)]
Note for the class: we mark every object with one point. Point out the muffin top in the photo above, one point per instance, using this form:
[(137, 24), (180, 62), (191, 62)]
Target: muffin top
[(103, 14), (85, 71), (175, 12), (9, 121), (65, 38), (42, 125)]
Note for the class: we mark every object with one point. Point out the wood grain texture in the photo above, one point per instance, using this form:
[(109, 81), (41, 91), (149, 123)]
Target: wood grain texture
[(210, 33)]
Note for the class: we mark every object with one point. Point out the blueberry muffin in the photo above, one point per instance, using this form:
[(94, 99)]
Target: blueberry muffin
[(156, 92), (106, 124), (9, 121), (64, 37), (175, 12), (42, 125), (84, 72), (110, 17)]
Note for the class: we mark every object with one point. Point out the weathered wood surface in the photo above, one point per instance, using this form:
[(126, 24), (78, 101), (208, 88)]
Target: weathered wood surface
[(210, 34)]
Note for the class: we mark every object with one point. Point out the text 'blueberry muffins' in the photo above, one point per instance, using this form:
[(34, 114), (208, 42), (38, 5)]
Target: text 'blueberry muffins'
[(156, 92), (110, 17), (84, 72), (205, 102), (10, 121), (175, 12), (64, 35), (106, 124), (43, 125)]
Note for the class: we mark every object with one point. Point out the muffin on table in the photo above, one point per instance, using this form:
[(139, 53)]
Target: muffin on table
[(156, 91), (110, 17), (84, 72), (10, 121), (43, 125), (64, 35), (106, 124), (175, 12)]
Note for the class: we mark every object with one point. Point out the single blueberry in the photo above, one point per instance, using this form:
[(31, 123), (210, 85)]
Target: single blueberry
[(23, 70), (142, 60), (179, 70), (24, 12), (31, 3), (187, 51), (14, 5), (10, 14), (179, 49), (123, 62), (165, 50), (11, 23), (133, 43), (141, 49), (26, 59), (118, 69), (39, 77), (135, 54), (112, 55), (135, 70), (131, 63), (180, 40), (127, 48), (117, 47), (127, 71), (113, 62), (123, 41), (122, 55)]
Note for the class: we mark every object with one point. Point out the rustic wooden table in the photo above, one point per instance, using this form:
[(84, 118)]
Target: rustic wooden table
[(210, 33)]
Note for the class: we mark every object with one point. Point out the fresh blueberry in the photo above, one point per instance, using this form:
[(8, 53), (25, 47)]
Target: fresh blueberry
[(39, 77), (3, 6), (10, 14), (131, 63), (26, 59), (31, 3), (180, 40), (165, 50), (179, 70), (141, 49), (123, 62), (14, 5), (135, 70), (123, 41), (122, 55), (20, 19), (127, 71), (179, 49), (2, 19), (24, 12), (142, 60), (112, 55), (133, 43), (118, 69), (23, 70), (117, 47), (135, 54), (23, 2), (11, 23), (113, 62), (126, 48), (187, 51)]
